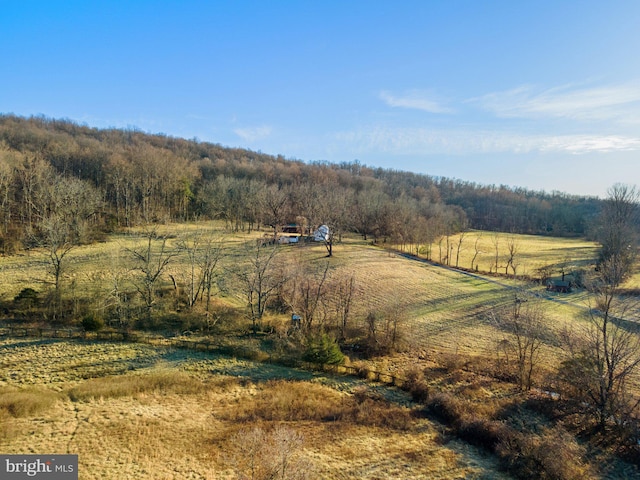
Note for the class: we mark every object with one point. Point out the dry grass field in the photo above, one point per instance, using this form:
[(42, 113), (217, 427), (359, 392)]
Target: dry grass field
[(93, 265), (531, 252), (142, 412), (443, 311)]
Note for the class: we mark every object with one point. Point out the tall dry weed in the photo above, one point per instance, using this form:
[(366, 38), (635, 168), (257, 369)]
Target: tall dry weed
[(26, 402), (131, 385), (281, 400), (367, 408)]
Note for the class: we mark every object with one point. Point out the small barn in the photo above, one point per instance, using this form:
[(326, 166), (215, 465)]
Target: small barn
[(290, 233), (292, 228), (559, 286)]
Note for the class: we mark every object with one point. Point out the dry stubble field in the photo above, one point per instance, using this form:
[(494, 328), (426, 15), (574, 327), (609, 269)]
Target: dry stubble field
[(448, 312)]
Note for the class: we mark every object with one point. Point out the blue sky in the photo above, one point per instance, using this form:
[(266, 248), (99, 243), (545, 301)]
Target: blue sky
[(537, 94)]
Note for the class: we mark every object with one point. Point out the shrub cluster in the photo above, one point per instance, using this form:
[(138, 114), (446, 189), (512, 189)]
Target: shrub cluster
[(551, 454), (367, 408), (92, 323), (282, 400), (416, 385)]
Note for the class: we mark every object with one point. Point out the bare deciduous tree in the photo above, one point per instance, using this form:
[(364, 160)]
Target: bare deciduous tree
[(275, 202), (65, 210), (307, 292), (58, 239), (261, 280), (384, 331), (461, 237), (211, 255), (476, 252), (522, 329), (343, 292), (512, 251), (618, 232), (151, 258), (257, 454), (115, 300), (7, 186), (203, 254), (495, 239), (605, 355)]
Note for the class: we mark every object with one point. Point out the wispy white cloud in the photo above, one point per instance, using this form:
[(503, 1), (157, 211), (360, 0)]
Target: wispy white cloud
[(610, 102), (578, 144), (253, 134), (420, 141), (414, 99)]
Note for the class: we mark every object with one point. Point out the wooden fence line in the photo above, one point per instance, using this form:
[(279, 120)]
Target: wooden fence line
[(201, 346)]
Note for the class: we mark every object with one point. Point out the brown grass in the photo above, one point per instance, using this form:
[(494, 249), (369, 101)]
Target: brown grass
[(287, 401), (27, 402), (175, 419), (133, 399), (281, 400), (165, 381), (533, 252), (444, 312)]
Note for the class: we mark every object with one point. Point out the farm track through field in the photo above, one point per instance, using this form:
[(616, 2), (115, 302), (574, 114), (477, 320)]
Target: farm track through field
[(502, 284), (459, 322), (443, 309), (579, 301)]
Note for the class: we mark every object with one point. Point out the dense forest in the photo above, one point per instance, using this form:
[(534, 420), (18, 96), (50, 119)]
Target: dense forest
[(57, 173)]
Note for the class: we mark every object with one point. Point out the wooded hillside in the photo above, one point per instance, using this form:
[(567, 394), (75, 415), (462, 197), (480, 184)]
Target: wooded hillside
[(55, 172)]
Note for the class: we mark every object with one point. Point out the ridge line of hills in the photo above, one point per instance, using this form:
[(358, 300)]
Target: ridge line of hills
[(125, 177)]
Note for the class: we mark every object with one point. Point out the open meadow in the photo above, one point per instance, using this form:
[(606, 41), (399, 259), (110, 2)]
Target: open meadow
[(478, 250), (440, 311), (144, 411)]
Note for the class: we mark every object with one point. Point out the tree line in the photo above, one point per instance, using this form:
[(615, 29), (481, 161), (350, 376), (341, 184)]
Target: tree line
[(124, 177)]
